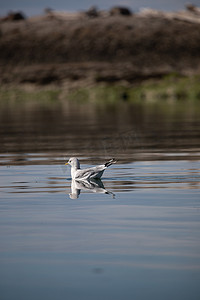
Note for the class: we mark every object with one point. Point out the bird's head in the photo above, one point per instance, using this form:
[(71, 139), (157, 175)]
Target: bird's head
[(74, 163)]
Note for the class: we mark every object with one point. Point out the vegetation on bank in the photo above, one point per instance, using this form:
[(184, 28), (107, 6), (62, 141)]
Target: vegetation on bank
[(170, 88), (20, 94)]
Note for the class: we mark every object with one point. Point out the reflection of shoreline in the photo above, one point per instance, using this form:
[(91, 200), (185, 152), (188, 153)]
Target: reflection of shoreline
[(92, 185), (129, 131)]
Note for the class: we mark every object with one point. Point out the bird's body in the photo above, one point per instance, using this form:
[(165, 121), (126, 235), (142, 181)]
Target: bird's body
[(84, 174)]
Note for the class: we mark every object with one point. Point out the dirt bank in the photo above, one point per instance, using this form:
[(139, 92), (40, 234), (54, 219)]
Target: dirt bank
[(73, 49)]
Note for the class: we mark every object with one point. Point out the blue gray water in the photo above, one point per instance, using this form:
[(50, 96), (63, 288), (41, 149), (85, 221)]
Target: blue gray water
[(135, 235), (142, 242)]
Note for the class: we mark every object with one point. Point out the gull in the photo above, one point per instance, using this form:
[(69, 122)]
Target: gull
[(84, 174)]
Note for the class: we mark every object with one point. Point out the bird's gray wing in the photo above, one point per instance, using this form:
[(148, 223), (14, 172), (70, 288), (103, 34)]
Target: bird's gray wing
[(90, 172)]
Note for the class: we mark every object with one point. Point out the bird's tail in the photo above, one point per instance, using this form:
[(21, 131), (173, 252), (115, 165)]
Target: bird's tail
[(110, 162)]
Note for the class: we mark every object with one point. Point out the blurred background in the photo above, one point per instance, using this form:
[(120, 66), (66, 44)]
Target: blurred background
[(36, 7), (79, 73)]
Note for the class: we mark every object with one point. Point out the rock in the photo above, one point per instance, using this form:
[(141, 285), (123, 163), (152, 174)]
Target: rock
[(192, 9), (14, 16), (118, 10), (92, 12)]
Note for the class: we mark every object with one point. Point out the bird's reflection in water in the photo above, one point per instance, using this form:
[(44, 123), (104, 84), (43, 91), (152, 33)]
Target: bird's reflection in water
[(92, 185)]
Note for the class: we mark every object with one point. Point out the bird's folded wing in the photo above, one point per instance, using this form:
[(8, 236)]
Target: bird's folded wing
[(89, 172)]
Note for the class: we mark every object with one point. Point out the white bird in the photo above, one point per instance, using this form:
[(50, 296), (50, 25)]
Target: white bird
[(84, 174)]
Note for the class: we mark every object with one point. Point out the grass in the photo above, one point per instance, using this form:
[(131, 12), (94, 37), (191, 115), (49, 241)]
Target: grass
[(170, 88), (100, 93), (18, 94), (173, 87)]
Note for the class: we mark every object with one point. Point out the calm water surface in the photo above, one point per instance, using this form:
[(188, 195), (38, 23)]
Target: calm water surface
[(134, 235)]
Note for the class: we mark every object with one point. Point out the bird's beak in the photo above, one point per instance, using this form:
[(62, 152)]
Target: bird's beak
[(66, 164)]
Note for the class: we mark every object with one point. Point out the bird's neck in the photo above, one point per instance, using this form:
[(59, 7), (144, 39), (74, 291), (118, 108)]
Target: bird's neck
[(73, 172)]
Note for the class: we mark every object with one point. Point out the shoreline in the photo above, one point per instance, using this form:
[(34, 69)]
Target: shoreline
[(171, 88), (82, 51)]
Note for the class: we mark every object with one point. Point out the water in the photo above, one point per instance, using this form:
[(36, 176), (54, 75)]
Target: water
[(135, 235)]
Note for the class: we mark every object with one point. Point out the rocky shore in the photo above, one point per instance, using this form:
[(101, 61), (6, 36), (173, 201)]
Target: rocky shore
[(82, 50)]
